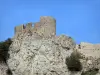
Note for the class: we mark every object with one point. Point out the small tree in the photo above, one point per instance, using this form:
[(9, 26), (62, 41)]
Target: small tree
[(4, 47), (73, 62)]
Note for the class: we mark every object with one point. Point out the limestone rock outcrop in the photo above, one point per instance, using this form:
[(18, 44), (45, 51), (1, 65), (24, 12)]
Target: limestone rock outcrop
[(3, 68), (38, 51), (40, 56)]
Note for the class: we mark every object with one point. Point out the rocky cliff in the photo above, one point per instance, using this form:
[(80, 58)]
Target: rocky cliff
[(33, 54)]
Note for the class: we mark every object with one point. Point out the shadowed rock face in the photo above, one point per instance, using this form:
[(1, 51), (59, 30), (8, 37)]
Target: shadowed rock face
[(4, 70)]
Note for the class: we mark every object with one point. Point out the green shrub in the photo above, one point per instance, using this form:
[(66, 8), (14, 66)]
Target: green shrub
[(73, 62), (90, 72), (4, 47)]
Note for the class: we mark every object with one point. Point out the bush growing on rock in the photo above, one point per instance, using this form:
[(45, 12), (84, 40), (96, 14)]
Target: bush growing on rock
[(73, 63), (4, 47)]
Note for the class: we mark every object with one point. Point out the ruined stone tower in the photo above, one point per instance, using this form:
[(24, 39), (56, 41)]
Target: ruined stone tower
[(45, 28)]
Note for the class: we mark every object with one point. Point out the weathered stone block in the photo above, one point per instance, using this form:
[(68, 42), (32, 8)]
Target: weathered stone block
[(19, 28)]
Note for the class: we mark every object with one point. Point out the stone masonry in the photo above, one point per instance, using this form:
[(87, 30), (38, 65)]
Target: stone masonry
[(45, 28)]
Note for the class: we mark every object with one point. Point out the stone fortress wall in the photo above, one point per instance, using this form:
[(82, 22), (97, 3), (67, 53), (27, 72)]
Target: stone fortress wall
[(89, 49), (85, 45), (45, 28)]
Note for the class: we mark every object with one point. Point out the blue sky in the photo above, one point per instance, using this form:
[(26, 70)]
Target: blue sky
[(79, 19)]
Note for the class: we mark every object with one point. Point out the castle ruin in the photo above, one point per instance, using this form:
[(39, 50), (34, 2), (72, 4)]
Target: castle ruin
[(45, 28)]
